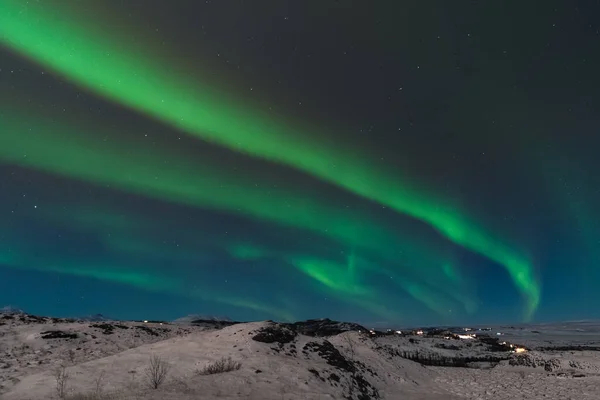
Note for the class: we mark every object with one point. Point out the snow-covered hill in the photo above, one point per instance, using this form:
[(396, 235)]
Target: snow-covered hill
[(318, 359)]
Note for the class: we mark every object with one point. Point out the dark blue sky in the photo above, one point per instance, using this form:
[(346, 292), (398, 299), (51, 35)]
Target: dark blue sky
[(485, 113)]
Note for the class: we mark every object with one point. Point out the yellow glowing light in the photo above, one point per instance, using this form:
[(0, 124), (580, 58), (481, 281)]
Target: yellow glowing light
[(520, 350)]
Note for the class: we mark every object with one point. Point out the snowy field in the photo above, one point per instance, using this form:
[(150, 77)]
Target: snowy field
[(49, 358)]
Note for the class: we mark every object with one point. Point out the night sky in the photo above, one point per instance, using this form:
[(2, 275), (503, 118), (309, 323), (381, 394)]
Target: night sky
[(387, 162)]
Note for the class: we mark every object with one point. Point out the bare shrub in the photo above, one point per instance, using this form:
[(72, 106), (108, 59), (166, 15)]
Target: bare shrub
[(62, 379), (71, 356), (132, 375), (220, 366), (99, 383), (350, 345), (157, 371)]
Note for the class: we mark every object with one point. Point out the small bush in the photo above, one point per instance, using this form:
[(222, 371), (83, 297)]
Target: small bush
[(62, 379), (99, 384), (157, 371), (220, 366)]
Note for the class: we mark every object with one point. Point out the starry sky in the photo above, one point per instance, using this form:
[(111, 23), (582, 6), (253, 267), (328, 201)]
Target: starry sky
[(389, 162)]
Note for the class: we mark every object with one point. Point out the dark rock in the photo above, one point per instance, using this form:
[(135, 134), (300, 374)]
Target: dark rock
[(324, 327), (316, 374), (552, 365), (107, 329), (58, 335), (32, 319), (331, 355), (334, 377), (523, 360), (213, 323), (146, 329), (366, 391), (575, 364), (277, 333)]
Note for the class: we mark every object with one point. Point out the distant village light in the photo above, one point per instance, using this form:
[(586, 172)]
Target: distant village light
[(520, 350), (467, 337)]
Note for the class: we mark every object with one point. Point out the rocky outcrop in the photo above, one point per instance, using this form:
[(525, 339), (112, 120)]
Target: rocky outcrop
[(58, 335), (285, 332), (324, 327), (535, 361), (277, 333), (552, 365), (526, 360)]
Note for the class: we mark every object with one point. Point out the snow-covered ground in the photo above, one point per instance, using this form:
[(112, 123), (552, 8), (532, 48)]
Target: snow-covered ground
[(105, 359)]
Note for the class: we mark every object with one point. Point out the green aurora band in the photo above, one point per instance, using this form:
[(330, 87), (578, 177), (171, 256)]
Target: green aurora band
[(138, 167), (84, 52), (156, 281)]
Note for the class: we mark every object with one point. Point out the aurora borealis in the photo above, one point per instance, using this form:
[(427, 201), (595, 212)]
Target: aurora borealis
[(271, 161)]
